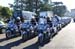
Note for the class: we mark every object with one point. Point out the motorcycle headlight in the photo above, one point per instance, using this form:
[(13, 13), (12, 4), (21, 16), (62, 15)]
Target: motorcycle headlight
[(44, 32), (32, 31), (16, 29), (12, 29), (48, 28), (27, 29)]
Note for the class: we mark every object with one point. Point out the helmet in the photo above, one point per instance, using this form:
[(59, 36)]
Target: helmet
[(18, 18)]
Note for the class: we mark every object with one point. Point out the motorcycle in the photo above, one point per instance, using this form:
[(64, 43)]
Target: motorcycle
[(33, 29), (12, 31), (25, 30), (43, 34)]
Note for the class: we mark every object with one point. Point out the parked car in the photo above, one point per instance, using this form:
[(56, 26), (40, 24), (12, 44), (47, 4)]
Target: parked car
[(2, 26)]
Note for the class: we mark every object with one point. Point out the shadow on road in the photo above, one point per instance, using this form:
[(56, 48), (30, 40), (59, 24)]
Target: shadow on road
[(36, 45), (33, 46), (4, 39), (8, 46), (1, 40), (17, 43)]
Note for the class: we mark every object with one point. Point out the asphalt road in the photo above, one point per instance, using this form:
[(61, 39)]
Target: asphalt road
[(65, 39)]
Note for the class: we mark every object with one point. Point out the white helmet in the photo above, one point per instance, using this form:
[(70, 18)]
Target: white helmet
[(18, 18)]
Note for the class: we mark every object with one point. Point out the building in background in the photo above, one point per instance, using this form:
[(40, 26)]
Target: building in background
[(67, 14), (73, 12)]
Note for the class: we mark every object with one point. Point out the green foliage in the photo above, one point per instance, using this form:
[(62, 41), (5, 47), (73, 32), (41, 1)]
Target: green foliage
[(45, 7), (28, 5), (37, 5), (5, 12), (0, 10), (59, 9)]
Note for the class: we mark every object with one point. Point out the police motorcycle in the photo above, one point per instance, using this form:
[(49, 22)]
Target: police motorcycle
[(18, 22), (50, 28), (65, 21), (62, 22), (54, 25), (43, 34), (68, 20), (33, 27), (25, 30), (59, 22), (11, 30)]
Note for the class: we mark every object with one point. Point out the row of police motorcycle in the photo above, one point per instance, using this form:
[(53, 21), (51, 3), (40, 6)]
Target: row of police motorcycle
[(48, 27), (43, 27)]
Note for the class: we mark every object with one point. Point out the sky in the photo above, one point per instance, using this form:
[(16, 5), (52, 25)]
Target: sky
[(69, 3)]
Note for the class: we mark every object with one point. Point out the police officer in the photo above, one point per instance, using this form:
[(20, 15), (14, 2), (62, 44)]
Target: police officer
[(36, 18), (56, 16), (49, 22), (18, 21), (33, 21)]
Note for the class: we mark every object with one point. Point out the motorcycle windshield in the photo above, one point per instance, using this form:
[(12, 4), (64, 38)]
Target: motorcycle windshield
[(25, 25), (41, 27), (10, 26), (54, 22), (42, 21)]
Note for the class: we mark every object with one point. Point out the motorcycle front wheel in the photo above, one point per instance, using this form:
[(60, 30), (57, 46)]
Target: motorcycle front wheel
[(8, 35)]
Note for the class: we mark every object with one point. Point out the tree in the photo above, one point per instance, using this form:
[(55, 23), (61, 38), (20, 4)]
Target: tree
[(59, 8), (45, 7), (0, 10), (28, 5), (6, 12), (38, 5), (34, 5)]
